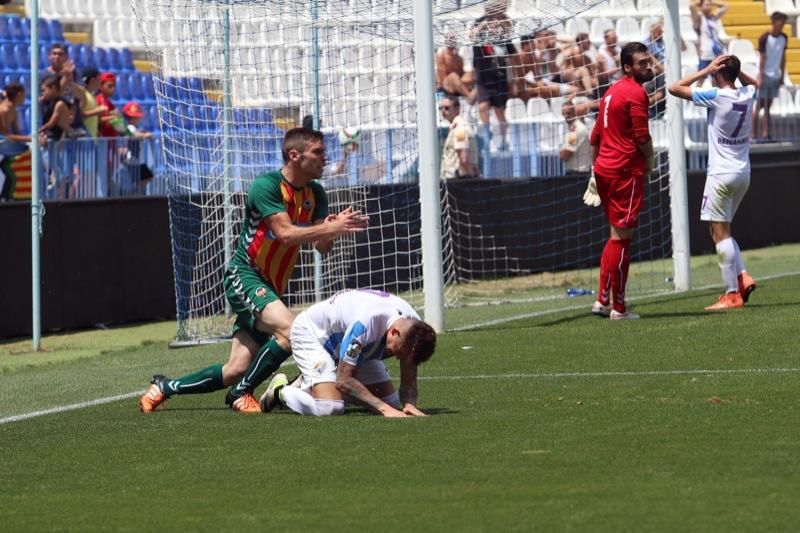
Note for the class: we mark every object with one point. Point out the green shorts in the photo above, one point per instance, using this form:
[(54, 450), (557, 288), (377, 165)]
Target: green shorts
[(248, 293)]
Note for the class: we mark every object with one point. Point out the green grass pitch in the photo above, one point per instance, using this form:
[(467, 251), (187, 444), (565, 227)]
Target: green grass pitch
[(683, 421)]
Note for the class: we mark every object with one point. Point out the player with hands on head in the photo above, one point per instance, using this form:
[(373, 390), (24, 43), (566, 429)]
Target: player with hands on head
[(730, 117), (340, 345), (285, 209), (622, 155)]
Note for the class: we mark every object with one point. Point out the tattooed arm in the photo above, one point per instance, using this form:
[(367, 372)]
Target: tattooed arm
[(348, 385), (408, 388)]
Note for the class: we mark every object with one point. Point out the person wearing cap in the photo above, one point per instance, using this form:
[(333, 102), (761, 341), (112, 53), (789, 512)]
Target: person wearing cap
[(133, 114), (134, 174), (91, 110), (108, 86)]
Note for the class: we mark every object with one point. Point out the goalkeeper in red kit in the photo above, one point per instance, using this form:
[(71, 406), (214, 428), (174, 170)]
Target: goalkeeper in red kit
[(622, 155)]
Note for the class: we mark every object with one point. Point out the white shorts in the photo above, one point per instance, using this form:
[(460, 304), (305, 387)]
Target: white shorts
[(722, 195), (318, 366)]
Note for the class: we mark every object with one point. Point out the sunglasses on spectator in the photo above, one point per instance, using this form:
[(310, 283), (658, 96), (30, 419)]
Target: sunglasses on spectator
[(445, 107)]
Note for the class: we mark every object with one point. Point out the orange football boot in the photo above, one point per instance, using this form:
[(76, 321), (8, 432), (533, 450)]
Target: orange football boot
[(246, 404), (151, 399), (746, 285), (730, 300)]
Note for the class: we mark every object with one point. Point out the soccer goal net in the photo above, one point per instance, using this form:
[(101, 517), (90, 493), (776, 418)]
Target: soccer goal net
[(232, 76)]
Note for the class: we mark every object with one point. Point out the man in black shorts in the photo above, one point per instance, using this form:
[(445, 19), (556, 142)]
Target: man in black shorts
[(492, 47)]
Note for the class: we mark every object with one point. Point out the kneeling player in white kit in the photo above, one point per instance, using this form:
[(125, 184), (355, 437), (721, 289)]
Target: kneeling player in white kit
[(339, 346), (729, 123)]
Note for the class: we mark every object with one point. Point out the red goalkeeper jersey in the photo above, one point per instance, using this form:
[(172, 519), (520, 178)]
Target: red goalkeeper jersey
[(621, 122)]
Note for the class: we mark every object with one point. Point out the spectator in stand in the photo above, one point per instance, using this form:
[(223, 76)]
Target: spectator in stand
[(111, 124), (771, 69), (91, 111), (548, 62), (450, 75), (530, 69), (57, 117), (582, 40), (12, 142), (576, 152), (63, 67), (492, 47), (656, 89), (578, 70), (56, 111), (708, 26), (134, 175), (608, 61), (460, 152)]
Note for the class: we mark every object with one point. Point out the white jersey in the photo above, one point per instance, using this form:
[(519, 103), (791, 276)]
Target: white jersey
[(710, 45), (352, 325), (730, 118)]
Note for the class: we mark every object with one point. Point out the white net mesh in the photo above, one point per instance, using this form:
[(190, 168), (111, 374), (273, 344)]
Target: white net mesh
[(232, 76)]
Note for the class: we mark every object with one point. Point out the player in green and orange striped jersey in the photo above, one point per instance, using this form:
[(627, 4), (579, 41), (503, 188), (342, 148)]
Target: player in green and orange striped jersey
[(285, 209)]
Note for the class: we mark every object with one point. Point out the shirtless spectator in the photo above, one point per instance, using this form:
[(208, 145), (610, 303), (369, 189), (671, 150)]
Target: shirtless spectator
[(608, 61), (450, 76), (582, 40), (535, 68), (60, 65), (12, 143), (578, 70)]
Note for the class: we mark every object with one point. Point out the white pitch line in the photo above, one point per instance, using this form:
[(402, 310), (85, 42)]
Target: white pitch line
[(644, 373), (547, 375), (535, 314), (70, 407)]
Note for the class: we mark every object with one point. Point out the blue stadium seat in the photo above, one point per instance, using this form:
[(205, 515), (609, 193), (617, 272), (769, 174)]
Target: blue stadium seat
[(44, 52), (16, 29), (25, 80), (126, 58), (137, 89), (26, 28), (100, 59), (5, 30), (153, 113), (7, 57), (170, 89), (24, 119), (123, 88), (8, 78), (22, 56), (148, 87), (56, 31), (82, 55), (114, 62), (44, 31)]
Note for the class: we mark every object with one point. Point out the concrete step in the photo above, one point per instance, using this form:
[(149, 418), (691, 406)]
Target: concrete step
[(745, 32), (755, 8), (746, 19), (77, 37)]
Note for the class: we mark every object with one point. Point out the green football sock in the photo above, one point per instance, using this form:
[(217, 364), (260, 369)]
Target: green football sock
[(267, 360), (206, 380)]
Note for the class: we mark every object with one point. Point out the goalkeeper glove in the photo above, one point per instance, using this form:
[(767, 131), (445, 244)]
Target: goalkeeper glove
[(590, 197)]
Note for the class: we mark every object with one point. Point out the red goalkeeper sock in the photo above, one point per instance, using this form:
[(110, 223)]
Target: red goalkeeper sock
[(604, 289), (618, 259)]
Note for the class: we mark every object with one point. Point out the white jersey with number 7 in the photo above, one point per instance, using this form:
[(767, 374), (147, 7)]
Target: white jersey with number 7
[(730, 118)]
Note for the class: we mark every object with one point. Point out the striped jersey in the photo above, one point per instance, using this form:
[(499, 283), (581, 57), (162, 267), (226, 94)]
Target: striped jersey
[(258, 248)]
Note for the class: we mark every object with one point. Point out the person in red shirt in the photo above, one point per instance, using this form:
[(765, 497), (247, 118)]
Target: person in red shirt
[(108, 85), (622, 154)]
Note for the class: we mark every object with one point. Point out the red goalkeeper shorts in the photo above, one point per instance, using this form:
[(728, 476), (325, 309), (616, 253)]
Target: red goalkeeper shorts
[(622, 199)]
